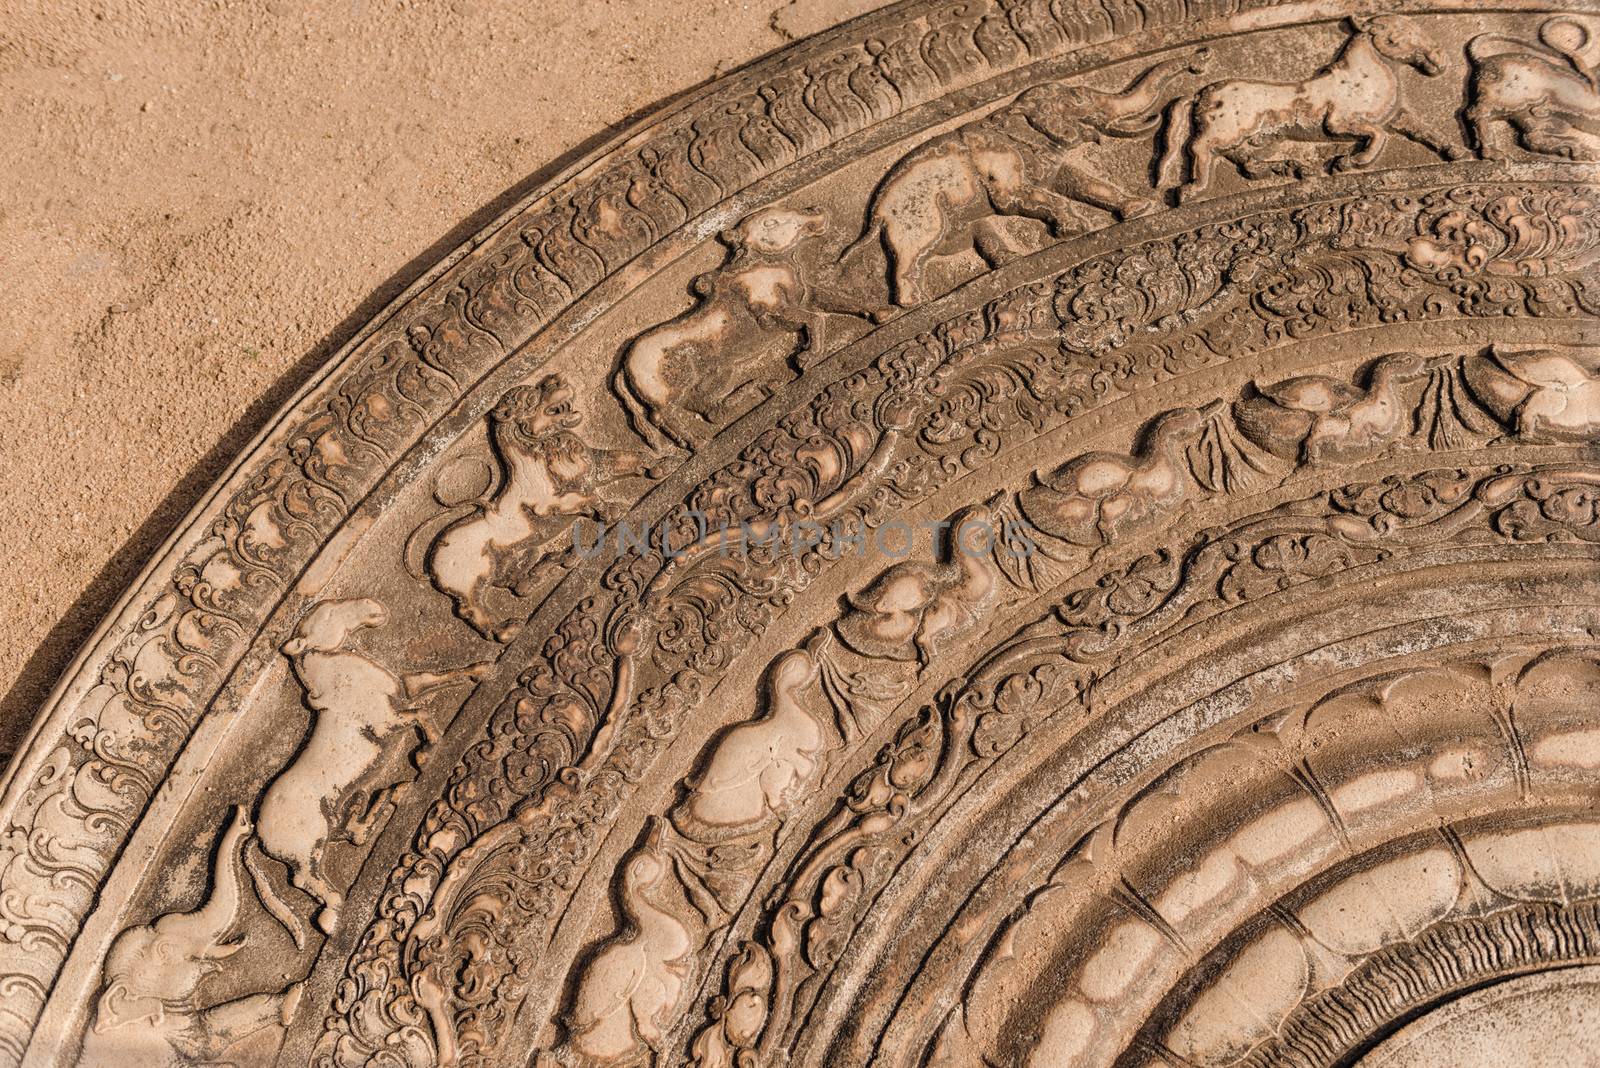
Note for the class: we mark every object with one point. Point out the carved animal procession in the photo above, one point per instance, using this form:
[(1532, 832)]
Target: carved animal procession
[(1018, 160), (637, 845)]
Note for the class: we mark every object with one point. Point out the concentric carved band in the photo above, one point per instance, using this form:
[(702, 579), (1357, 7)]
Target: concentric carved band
[(1207, 316)]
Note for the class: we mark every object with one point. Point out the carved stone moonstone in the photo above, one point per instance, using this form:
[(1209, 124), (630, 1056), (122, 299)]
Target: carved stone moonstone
[(1010, 533)]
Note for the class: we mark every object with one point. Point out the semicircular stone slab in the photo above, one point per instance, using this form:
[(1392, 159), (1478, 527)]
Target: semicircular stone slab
[(1007, 533)]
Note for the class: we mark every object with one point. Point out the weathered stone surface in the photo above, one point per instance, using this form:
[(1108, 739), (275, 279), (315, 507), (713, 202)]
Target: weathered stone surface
[(1005, 534)]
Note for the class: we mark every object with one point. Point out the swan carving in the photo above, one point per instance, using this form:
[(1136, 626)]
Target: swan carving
[(1099, 497), (1314, 419), (1542, 394)]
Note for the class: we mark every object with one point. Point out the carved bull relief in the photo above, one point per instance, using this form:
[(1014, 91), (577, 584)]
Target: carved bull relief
[(1355, 100), (1285, 597)]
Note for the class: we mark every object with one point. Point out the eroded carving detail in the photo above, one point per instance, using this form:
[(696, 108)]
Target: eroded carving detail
[(151, 1011), (518, 529), (1355, 99), (627, 651), (685, 378), (1345, 929)]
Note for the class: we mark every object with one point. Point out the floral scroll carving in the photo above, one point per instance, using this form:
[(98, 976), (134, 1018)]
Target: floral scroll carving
[(1051, 667), (733, 792), (704, 855), (988, 380)]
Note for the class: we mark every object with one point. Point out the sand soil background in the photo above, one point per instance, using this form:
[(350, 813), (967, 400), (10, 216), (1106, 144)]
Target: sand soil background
[(201, 201)]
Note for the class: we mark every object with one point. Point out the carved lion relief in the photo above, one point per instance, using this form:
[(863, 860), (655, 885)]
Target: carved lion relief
[(1007, 533)]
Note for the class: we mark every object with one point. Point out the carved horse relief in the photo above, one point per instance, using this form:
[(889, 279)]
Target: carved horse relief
[(1019, 161), (342, 782), (1266, 588), (1354, 100), (513, 533)]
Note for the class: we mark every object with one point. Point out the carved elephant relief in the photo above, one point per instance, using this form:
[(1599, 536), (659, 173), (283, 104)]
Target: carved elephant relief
[(1051, 600)]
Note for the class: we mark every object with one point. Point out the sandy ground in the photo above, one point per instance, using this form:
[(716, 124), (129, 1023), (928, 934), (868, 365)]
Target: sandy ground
[(200, 201)]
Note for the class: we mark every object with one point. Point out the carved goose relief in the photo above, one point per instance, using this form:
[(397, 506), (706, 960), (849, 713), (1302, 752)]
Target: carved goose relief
[(1059, 600)]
